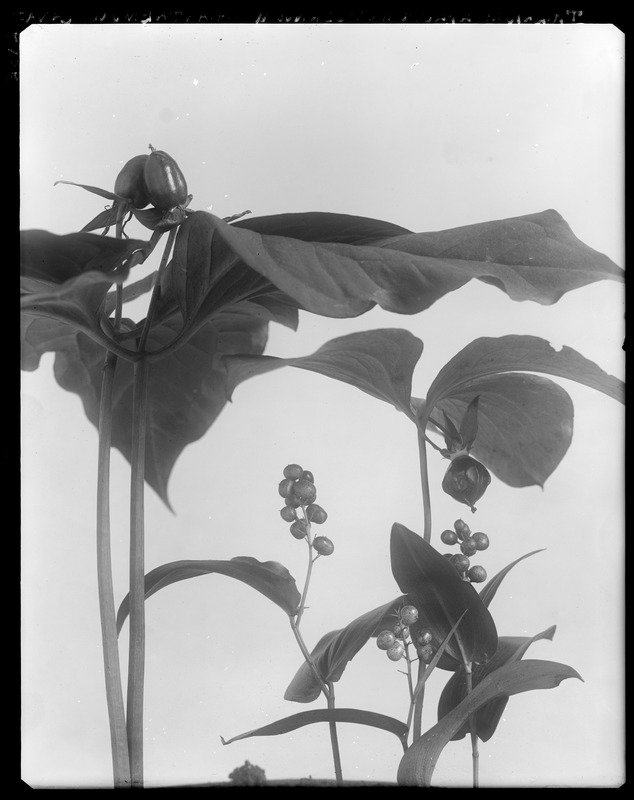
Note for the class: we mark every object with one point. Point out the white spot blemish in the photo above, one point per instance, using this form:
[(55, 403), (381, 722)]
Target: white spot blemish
[(497, 130), (195, 81), (415, 64)]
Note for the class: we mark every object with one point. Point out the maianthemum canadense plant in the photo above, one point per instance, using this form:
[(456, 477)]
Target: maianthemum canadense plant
[(152, 386)]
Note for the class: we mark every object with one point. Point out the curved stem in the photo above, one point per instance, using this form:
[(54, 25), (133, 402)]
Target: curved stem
[(136, 656), (112, 668), (418, 703), (424, 480)]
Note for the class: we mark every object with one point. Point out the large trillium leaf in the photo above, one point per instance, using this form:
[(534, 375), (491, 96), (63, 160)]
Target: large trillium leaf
[(488, 716), (269, 578), (434, 586), (417, 765), (185, 392), (379, 362), (333, 652)]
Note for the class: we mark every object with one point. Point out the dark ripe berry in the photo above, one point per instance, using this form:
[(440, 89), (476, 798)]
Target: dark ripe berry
[(468, 547), (409, 615), (461, 563), (477, 574), (316, 514), (130, 184), (299, 528), (293, 471), (481, 540), (424, 637), (305, 491), (466, 480), (461, 528), (448, 537), (288, 514), (426, 653), (323, 545), (385, 640), (396, 651), (292, 501), (449, 555), (307, 475), (164, 181), (286, 487)]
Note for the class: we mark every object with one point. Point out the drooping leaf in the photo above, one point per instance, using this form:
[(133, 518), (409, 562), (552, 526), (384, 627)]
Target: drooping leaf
[(536, 257), (295, 721), (104, 219), (487, 593), (93, 189), (379, 362), (417, 765), (434, 586), (488, 716), (186, 390), (332, 654), (269, 578)]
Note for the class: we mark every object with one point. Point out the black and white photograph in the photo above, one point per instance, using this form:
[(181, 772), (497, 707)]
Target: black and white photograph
[(322, 403)]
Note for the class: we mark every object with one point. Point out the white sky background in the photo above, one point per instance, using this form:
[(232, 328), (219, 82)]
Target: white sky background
[(429, 127)]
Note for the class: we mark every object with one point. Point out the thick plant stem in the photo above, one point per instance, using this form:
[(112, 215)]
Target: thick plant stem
[(112, 668), (418, 704), (424, 481), (136, 657), (334, 740), (475, 755)]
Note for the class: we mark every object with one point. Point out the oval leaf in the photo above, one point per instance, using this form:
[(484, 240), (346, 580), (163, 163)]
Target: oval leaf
[(441, 596), (379, 362), (417, 765), (269, 578), (487, 593), (355, 715), (332, 654)]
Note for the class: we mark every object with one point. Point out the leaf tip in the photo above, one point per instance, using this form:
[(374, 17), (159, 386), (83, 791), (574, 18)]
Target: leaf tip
[(223, 740)]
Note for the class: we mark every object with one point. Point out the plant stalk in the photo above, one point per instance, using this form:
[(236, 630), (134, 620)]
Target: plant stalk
[(475, 755), (334, 740), (136, 656), (112, 667), (424, 481)]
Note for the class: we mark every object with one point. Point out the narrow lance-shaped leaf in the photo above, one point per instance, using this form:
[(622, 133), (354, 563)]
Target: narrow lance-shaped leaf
[(295, 721), (269, 578), (379, 362), (417, 765)]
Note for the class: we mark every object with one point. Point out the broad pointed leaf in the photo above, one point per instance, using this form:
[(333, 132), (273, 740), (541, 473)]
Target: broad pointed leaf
[(487, 593), (379, 362), (434, 586), (93, 189), (488, 716), (417, 765), (269, 578), (332, 654), (295, 721)]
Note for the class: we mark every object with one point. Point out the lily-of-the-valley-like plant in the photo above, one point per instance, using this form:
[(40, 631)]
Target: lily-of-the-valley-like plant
[(154, 385)]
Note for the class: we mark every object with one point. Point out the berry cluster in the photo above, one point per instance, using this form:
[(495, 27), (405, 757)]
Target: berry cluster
[(470, 544), (396, 641), (299, 493)]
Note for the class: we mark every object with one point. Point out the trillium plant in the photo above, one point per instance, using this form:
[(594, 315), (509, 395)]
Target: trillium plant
[(152, 386)]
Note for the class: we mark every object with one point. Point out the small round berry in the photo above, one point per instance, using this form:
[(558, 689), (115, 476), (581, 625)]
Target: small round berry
[(426, 653), (316, 514), (469, 547), (323, 545), (385, 640), (396, 651), (286, 487), (299, 529), (305, 491), (293, 471), (448, 537), (424, 637), (288, 514), (449, 555), (292, 501), (481, 540), (399, 630), (461, 528), (307, 475), (477, 574), (461, 563), (409, 615)]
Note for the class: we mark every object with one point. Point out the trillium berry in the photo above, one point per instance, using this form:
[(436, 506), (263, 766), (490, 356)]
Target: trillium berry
[(466, 480)]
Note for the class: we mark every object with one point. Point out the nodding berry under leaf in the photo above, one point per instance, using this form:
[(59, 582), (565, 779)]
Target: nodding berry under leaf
[(316, 514), (469, 547), (293, 471), (466, 480), (305, 491), (385, 640), (288, 514), (449, 537), (426, 653), (165, 183), (481, 540), (129, 183), (323, 545), (409, 615), (477, 574), (461, 563)]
